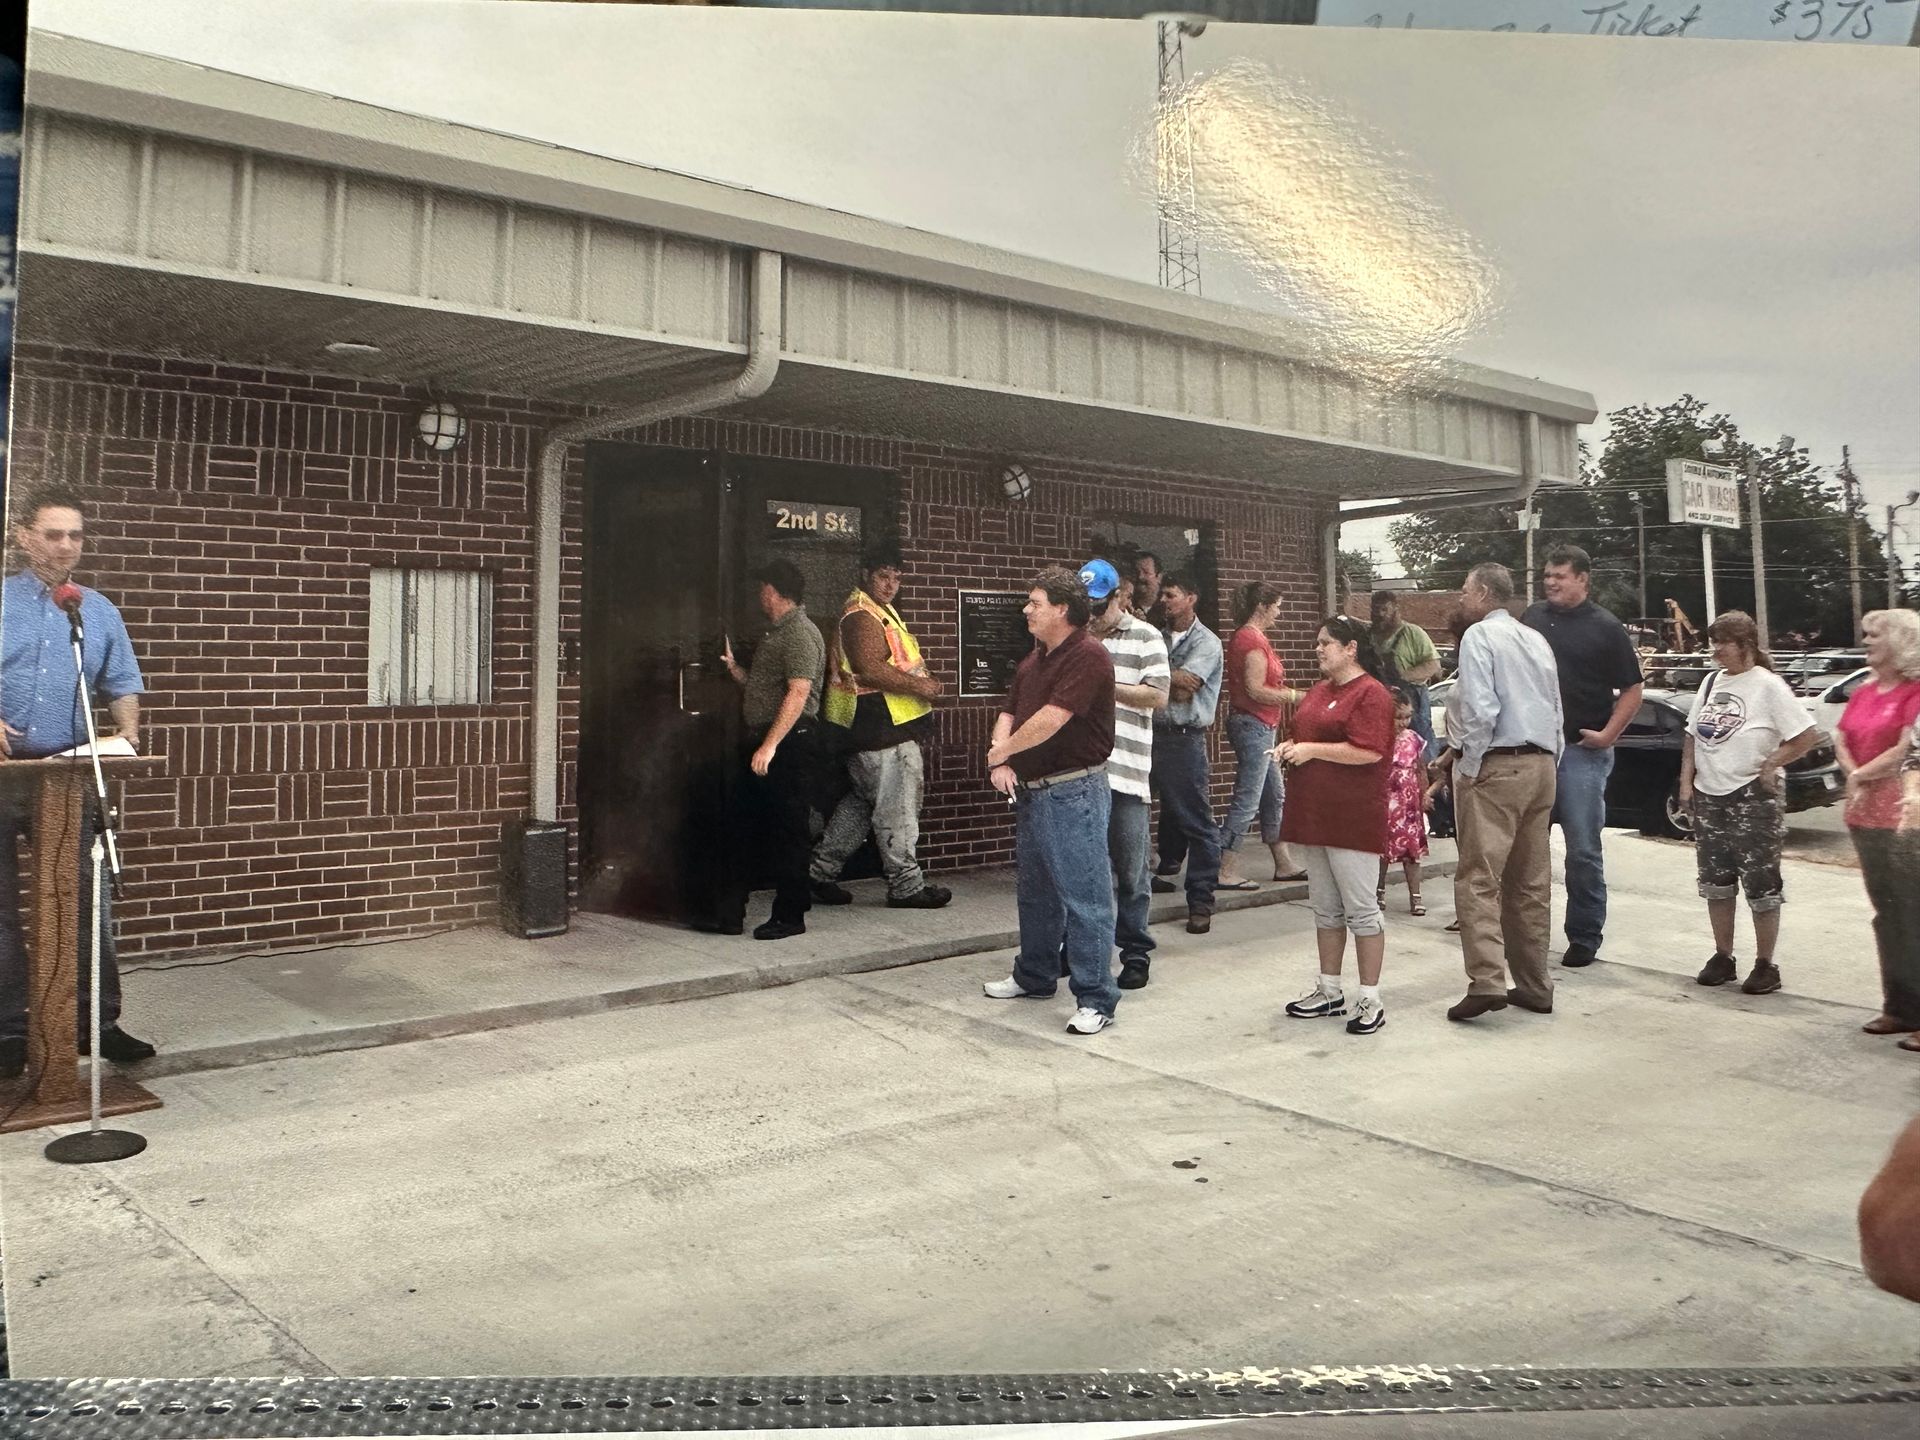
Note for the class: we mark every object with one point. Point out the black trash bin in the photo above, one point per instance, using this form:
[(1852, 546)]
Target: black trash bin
[(533, 878)]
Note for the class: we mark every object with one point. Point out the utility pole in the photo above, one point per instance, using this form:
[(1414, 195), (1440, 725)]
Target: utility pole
[(1759, 548), (1640, 525), (1893, 563), (1853, 538)]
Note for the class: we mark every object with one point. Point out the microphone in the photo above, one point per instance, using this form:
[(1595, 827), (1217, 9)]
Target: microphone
[(68, 598)]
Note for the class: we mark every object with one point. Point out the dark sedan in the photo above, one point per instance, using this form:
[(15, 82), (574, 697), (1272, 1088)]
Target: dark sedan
[(1644, 791)]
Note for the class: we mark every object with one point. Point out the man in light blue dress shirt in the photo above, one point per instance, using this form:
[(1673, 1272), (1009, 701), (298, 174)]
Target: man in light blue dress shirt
[(1504, 719), (1180, 749), (40, 716)]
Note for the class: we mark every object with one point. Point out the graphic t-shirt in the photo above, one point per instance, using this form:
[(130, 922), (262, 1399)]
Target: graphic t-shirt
[(1736, 722)]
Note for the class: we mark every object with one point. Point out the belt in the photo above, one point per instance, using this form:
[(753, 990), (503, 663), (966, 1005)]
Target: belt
[(1518, 750), (1048, 781), (1181, 729)]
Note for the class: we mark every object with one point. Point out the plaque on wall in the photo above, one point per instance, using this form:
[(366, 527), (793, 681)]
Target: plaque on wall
[(993, 640)]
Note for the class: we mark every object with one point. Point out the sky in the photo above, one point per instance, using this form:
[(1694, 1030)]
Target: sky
[(1733, 220)]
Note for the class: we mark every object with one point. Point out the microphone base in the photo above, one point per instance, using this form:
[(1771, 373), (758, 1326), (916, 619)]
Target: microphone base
[(94, 1147)]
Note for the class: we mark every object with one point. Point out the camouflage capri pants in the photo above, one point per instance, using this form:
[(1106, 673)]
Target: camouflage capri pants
[(1737, 841)]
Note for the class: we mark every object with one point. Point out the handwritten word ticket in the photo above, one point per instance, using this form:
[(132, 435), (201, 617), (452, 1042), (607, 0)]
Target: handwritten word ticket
[(1836, 22)]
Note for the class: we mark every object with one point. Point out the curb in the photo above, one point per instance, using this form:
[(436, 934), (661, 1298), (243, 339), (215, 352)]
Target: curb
[(664, 992)]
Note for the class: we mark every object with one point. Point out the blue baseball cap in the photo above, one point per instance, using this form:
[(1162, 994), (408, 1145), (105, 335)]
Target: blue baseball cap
[(1100, 578)]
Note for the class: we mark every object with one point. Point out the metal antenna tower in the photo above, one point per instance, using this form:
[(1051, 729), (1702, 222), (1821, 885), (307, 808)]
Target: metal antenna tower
[(1179, 252)]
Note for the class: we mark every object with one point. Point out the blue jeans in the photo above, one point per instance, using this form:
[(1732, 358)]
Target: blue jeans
[(1423, 720), (1580, 809), (1257, 786), (1127, 848), (1180, 765), (1065, 891)]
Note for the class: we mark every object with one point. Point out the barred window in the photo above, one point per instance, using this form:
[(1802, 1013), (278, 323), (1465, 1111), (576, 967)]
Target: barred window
[(430, 638)]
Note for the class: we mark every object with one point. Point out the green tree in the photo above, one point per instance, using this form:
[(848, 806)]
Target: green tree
[(1358, 567), (1803, 512)]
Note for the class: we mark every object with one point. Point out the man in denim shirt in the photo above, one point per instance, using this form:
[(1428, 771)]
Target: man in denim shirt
[(1180, 748), (39, 716)]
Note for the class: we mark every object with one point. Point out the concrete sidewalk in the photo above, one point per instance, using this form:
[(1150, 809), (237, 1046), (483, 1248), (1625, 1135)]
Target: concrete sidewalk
[(213, 1015)]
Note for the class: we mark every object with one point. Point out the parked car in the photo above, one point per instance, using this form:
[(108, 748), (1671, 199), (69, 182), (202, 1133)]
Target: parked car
[(1826, 705), (1814, 672), (1644, 791)]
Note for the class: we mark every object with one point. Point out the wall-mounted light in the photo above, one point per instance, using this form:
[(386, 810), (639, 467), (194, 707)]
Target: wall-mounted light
[(1015, 483), (442, 427), (353, 349)]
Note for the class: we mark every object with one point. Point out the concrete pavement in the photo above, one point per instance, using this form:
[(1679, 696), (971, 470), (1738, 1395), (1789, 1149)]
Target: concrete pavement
[(882, 1171)]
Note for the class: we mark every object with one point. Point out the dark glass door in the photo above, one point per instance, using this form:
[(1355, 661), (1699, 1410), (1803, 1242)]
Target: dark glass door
[(659, 719), (671, 537)]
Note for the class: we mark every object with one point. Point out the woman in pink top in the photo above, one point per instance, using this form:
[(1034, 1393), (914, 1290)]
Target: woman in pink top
[(1874, 739)]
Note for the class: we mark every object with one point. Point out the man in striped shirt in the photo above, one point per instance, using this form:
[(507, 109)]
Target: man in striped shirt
[(1141, 677)]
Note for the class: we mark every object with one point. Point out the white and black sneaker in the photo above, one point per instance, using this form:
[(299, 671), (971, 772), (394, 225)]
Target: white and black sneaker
[(1318, 1004), (1368, 1016), (1011, 989), (1088, 1021)]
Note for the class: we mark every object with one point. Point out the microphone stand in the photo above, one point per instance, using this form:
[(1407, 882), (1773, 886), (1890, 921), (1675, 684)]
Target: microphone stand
[(94, 1144)]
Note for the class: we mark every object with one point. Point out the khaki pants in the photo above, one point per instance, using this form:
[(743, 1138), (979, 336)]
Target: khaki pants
[(1503, 884)]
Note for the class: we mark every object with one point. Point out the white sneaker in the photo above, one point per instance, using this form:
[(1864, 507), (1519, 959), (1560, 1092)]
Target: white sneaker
[(1368, 1016), (1088, 1022), (1317, 1004), (1008, 989)]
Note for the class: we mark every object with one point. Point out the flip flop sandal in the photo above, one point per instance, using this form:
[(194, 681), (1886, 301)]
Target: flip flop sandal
[(1912, 1042), (1296, 875), (1238, 885)]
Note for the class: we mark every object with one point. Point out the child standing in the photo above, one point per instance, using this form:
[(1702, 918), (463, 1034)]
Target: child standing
[(1407, 803)]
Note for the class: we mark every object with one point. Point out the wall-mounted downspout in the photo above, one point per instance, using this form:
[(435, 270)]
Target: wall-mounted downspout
[(763, 359), (1518, 494)]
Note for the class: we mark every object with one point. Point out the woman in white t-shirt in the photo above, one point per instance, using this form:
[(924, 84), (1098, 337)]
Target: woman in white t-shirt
[(1744, 728)]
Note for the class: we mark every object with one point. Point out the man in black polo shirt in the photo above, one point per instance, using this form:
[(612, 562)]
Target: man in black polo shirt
[(1049, 755), (1600, 686)]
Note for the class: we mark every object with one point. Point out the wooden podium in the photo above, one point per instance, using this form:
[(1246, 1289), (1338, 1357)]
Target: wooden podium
[(53, 1091)]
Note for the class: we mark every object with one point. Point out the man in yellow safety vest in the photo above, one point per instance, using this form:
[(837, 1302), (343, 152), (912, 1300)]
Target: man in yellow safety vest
[(879, 694)]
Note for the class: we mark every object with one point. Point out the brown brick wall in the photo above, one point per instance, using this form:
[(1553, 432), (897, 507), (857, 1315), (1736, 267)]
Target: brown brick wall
[(237, 513)]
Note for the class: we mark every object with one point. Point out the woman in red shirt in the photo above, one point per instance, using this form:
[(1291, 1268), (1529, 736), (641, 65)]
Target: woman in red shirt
[(1256, 683), (1336, 814), (1874, 738)]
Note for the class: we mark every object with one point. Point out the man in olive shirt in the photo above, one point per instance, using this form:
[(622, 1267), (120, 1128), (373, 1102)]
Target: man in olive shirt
[(1409, 650), (780, 700), (1600, 685)]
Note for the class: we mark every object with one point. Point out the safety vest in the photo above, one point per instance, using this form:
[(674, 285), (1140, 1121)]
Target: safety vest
[(903, 652)]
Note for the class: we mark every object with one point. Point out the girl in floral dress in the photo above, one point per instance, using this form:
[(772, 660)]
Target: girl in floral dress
[(1407, 803)]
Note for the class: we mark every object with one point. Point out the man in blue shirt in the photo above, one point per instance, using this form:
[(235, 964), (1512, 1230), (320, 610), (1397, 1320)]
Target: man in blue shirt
[(1180, 748), (39, 716)]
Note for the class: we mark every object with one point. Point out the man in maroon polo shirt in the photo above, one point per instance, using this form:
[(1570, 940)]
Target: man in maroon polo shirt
[(1049, 755)]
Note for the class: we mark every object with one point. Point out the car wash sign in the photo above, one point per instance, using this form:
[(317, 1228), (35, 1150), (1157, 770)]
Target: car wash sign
[(1703, 494)]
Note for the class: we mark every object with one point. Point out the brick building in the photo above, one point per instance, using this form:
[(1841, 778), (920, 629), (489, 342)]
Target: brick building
[(241, 302)]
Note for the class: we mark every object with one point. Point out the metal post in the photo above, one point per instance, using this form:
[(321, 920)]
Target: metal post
[(1706, 560), (1759, 552), (1528, 514)]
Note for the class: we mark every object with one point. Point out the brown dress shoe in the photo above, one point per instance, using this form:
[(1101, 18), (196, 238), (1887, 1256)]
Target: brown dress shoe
[(1538, 1007), (1886, 1025), (1476, 1005), (1199, 922)]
